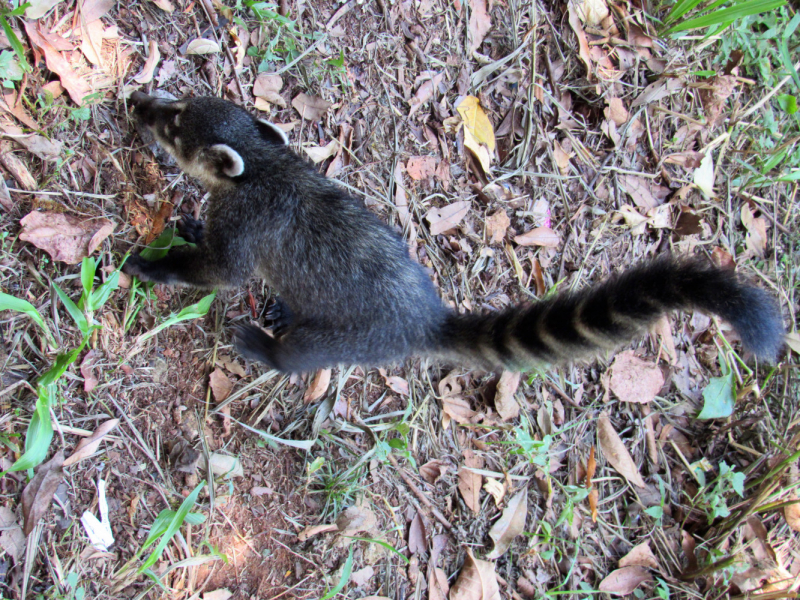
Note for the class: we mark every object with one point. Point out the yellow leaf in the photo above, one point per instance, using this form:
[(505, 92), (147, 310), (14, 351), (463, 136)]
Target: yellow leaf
[(478, 131)]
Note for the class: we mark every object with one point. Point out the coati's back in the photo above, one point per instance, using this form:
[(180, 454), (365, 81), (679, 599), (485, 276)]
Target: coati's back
[(348, 290)]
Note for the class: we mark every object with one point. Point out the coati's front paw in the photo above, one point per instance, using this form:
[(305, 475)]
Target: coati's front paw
[(281, 316), (191, 229), (138, 267), (252, 343)]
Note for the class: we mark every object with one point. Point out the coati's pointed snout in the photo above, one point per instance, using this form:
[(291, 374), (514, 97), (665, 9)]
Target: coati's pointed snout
[(140, 99)]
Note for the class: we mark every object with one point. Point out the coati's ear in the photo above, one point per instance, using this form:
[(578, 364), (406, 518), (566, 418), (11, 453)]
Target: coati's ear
[(272, 133), (225, 160)]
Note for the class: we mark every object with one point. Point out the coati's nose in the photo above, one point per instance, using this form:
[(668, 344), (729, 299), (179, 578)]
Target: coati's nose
[(140, 99)]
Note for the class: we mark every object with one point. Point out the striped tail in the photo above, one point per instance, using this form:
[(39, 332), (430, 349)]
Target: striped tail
[(574, 325)]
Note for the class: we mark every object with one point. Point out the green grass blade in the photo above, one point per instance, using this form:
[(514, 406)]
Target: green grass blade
[(172, 528), (19, 49), (786, 58), (346, 571), (73, 310), (8, 302), (164, 518), (680, 9), (194, 311), (751, 7), (386, 545)]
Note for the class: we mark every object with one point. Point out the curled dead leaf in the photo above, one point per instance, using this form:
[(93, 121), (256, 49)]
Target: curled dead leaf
[(623, 581), (417, 541), (478, 131), (77, 88), (538, 236), (615, 451), (433, 470), (38, 494), (446, 218), (318, 387), (88, 446), (479, 23), (220, 385), (65, 238), (149, 68), (756, 238), (476, 581), (510, 524), (469, 483), (496, 226), (504, 401), (310, 107), (202, 46), (640, 556)]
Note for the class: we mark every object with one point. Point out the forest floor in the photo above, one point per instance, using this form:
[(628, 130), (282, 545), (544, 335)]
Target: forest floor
[(522, 148)]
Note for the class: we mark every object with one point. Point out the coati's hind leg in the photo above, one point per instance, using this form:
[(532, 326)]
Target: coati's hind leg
[(191, 229), (301, 350), (281, 316)]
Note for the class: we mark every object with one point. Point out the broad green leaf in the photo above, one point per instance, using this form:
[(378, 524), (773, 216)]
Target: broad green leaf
[(60, 365), (788, 103), (793, 176), (73, 310), (159, 247), (173, 527), (39, 434), (732, 13), (718, 398), (346, 571), (88, 268), (100, 296)]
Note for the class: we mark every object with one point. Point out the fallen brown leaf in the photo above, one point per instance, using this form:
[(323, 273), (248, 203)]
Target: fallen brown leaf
[(791, 513), (309, 532), (433, 470), (479, 23), (363, 576), (38, 494), (421, 167), (38, 8), (583, 42), (268, 87), (448, 217), (617, 112), (623, 581), (77, 88), (510, 524), (310, 107), (640, 556), (425, 92), (635, 380), (539, 236), (458, 409), (396, 384), (90, 380), (476, 581), (469, 483), (417, 540), (65, 238), (222, 593), (318, 386), (220, 385), (12, 540), (496, 489), (356, 518), (496, 226), (202, 46), (88, 446), (643, 191), (504, 401), (164, 5), (715, 95), (592, 12), (91, 10), (615, 451), (319, 153), (592, 497), (149, 68)]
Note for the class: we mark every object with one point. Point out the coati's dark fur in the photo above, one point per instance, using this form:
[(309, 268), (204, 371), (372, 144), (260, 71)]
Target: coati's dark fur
[(348, 291)]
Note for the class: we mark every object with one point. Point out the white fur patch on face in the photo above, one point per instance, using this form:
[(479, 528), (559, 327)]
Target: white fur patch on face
[(280, 132), (235, 166)]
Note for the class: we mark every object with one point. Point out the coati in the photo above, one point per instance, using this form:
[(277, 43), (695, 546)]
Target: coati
[(348, 291)]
